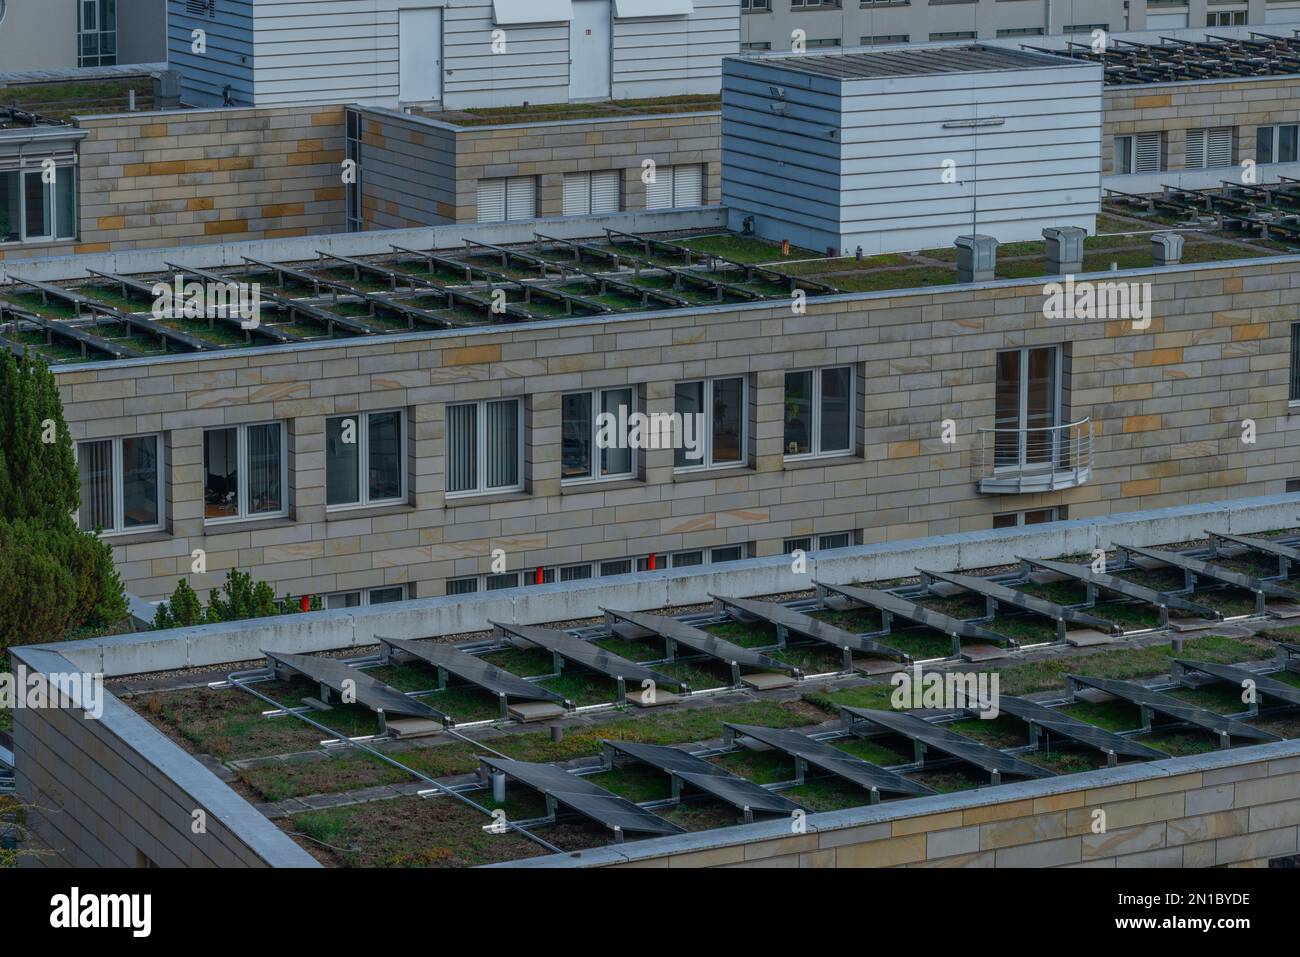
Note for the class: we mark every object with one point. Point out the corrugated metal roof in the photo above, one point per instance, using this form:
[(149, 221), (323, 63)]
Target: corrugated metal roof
[(971, 58)]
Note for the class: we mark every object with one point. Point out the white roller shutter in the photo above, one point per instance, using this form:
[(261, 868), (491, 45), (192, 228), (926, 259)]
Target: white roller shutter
[(521, 198), (577, 194), (605, 192), (659, 194), (1148, 153), (688, 187), (1195, 157), (491, 200), (1219, 149)]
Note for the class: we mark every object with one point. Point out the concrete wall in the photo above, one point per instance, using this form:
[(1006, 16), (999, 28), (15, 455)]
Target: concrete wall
[(149, 180), (114, 792), (1236, 808), (1166, 405), (417, 171), (38, 35)]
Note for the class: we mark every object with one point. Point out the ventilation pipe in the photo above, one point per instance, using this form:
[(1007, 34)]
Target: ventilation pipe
[(1064, 249), (977, 256)]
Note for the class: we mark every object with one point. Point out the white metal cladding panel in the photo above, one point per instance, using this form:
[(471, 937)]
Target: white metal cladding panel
[(534, 66), (782, 169), (664, 56), (229, 37), (325, 51)]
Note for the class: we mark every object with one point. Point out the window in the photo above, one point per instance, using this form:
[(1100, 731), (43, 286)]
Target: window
[(824, 542), (485, 443), (462, 586), (675, 187), (1037, 516), (353, 189), (1226, 18), (1276, 144), (1027, 404), (1021, 32), (721, 403), (1209, 149), (1086, 27), (755, 5), (587, 451), (726, 553), (819, 412), (97, 32), (688, 559), (884, 39), (755, 47), (822, 44), (367, 596), (814, 5), (507, 200), (121, 484), (32, 210), (245, 472), (1293, 394), (954, 35), (586, 193), (1139, 153), (619, 566), (498, 582), (365, 459)]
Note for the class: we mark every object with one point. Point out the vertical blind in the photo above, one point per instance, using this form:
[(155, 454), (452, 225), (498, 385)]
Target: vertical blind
[(95, 463), (462, 448), (502, 446), (265, 472)]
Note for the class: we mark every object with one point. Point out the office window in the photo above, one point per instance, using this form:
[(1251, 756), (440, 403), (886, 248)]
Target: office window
[(1225, 18), (367, 596), (591, 193), (32, 210), (97, 32), (618, 566), (755, 47), (581, 458), (755, 5), (1037, 516), (498, 582), (1139, 153), (823, 542), (837, 540), (814, 5), (1209, 149), (675, 187), (1021, 32), (884, 39), (688, 559), (721, 402), (1293, 394), (365, 459), (1276, 144), (121, 484), (485, 443), (827, 43), (726, 553), (462, 586), (819, 412), (507, 200), (245, 472), (1085, 27), (954, 35)]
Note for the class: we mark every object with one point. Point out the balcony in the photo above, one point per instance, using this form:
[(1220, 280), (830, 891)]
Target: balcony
[(1012, 461)]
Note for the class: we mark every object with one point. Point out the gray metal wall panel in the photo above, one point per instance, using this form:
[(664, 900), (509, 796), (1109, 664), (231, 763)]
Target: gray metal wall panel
[(229, 57), (663, 56)]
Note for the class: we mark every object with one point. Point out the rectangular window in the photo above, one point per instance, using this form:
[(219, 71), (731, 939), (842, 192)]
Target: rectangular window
[(366, 596), (121, 484), (823, 44), (954, 35), (619, 566), (462, 586), (1140, 153), (498, 582), (32, 210), (688, 559), (245, 472), (884, 39), (1021, 32), (675, 187), (1209, 149), (1037, 516), (755, 47), (96, 33), (507, 200), (485, 447), (1294, 394), (590, 193), (756, 5), (819, 412), (353, 187), (721, 439), (726, 553), (1276, 144), (837, 540), (1086, 27), (1027, 407), (575, 573), (792, 545), (586, 451), (365, 459), (1226, 18)]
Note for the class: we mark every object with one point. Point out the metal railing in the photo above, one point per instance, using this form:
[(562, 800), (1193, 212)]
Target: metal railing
[(1034, 459)]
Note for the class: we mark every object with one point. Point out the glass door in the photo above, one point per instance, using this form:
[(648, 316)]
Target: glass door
[(1027, 405)]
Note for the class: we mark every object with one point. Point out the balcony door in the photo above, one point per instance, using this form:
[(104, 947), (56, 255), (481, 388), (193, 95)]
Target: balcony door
[(590, 50), (1027, 407), (419, 32)]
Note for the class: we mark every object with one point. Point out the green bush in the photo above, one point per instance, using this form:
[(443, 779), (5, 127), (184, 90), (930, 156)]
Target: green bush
[(238, 599)]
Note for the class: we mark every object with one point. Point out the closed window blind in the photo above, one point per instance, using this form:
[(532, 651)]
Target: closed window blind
[(659, 193), (503, 444), (462, 448), (1147, 159), (1294, 394), (521, 198), (1209, 149), (491, 200), (95, 463), (688, 187)]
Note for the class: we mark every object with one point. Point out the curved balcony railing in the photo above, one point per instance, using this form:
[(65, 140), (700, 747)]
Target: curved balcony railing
[(1034, 459)]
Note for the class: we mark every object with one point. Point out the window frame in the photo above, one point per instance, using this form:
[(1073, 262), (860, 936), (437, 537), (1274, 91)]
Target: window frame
[(50, 197), (706, 460), (594, 474), (364, 596), (1275, 142), (242, 471), (480, 448), (1293, 376), (815, 436), (118, 491), (363, 461)]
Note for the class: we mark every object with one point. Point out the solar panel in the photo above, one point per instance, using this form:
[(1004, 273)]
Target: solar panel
[(1122, 586), (705, 776), (996, 594), (1264, 685), (474, 670), (832, 760), (368, 691), (590, 800), (1194, 567), (587, 655), (788, 620), (927, 735), (675, 632), (893, 606), (1285, 554), (1111, 744), (1153, 701)]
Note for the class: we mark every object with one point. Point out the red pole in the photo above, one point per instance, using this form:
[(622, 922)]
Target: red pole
[(539, 578), (304, 603), (651, 563)]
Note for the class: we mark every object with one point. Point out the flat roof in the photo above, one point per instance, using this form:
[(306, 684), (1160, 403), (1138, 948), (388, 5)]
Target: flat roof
[(923, 61)]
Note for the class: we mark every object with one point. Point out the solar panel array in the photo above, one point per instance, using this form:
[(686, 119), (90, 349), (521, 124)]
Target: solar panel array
[(350, 682), (1173, 708), (474, 670)]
